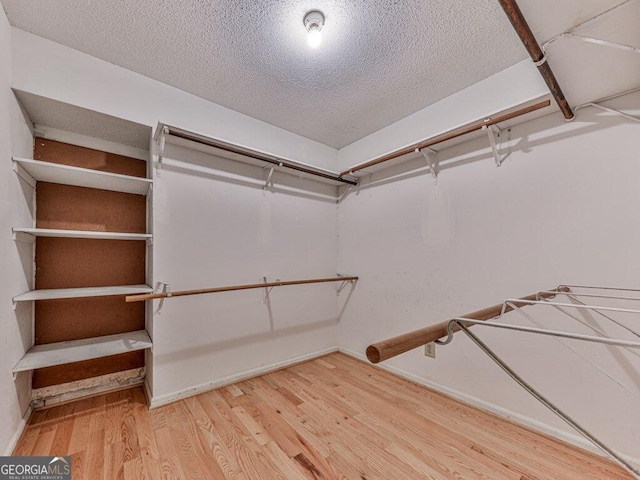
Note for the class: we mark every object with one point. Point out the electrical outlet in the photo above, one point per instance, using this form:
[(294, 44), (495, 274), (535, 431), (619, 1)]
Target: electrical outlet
[(430, 350)]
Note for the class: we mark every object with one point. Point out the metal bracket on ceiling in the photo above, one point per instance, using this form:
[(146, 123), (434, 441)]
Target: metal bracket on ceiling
[(604, 43), (267, 290), (597, 41), (610, 110), (161, 144), (343, 284), (166, 288), (431, 156), (492, 130)]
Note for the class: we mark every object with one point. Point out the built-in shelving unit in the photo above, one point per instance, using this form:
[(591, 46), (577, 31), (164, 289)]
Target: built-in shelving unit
[(57, 293), (52, 354), (50, 232), (33, 171), (60, 353)]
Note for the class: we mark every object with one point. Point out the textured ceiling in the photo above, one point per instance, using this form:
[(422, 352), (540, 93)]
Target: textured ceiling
[(62, 116), (380, 60)]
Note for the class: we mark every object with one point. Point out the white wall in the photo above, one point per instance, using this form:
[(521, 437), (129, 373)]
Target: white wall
[(15, 258), (511, 87), (215, 226), (46, 68), (563, 209)]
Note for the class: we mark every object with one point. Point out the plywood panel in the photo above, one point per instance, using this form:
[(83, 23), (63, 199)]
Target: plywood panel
[(45, 377), (86, 318), (75, 262), (58, 152), (77, 208)]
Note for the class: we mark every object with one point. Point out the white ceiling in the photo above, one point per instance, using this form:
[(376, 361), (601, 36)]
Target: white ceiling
[(380, 60), (588, 72)]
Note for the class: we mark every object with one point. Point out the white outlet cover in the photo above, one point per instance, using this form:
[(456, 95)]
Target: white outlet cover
[(430, 350)]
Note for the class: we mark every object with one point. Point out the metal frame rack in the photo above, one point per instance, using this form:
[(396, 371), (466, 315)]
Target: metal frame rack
[(443, 334)]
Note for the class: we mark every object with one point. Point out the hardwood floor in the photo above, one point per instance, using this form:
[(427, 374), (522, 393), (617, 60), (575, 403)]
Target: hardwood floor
[(330, 418)]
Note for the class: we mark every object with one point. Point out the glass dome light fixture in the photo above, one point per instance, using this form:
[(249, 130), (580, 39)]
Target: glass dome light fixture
[(313, 22)]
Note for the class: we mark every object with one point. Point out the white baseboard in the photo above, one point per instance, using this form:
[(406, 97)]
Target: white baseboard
[(16, 436), (158, 401), (528, 422)]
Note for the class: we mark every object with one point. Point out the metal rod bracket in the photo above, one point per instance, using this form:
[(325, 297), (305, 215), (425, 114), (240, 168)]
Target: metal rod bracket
[(161, 143), (266, 184), (267, 290), (165, 288), (431, 156), (343, 284), (492, 130), (541, 62), (344, 194)]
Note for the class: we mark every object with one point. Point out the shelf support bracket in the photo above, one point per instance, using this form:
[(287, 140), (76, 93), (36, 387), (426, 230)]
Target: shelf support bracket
[(23, 237), (165, 288), (492, 130), (161, 142), (267, 290), (431, 156), (24, 175), (343, 284), (344, 194), (266, 184)]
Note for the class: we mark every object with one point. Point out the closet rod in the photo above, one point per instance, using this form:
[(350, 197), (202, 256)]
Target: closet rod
[(256, 155), (529, 41), (391, 347), (182, 293), (451, 134)]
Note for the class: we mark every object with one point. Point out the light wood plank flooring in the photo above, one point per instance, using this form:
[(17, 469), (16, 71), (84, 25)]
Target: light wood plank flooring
[(330, 418)]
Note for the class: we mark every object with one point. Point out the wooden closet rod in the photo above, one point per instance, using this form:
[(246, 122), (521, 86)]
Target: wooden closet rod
[(391, 347), (451, 134), (151, 296), (256, 155), (529, 41)]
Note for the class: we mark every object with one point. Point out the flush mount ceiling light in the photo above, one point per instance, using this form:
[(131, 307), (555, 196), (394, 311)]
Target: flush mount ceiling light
[(313, 22)]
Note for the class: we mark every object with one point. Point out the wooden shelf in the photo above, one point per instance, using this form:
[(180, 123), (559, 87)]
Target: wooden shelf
[(48, 232), (41, 356), (79, 177), (56, 293)]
